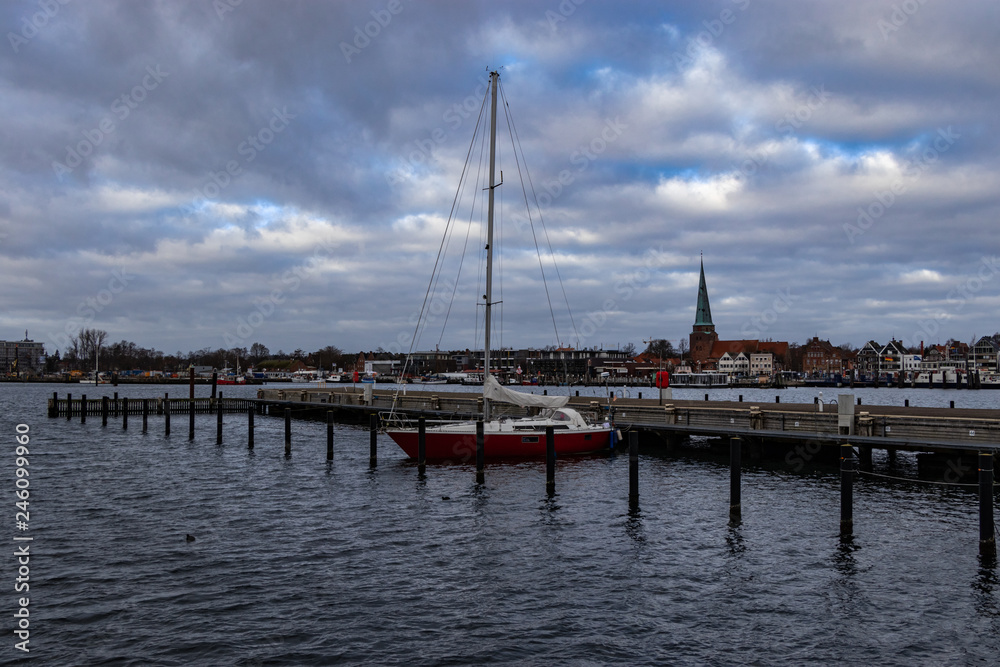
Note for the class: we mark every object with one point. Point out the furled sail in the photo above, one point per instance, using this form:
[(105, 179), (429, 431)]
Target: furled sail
[(493, 391)]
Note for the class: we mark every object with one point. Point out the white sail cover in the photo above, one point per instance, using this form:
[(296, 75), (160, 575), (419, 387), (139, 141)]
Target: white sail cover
[(493, 391)]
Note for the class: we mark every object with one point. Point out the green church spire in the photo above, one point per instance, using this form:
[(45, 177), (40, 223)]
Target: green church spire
[(703, 315)]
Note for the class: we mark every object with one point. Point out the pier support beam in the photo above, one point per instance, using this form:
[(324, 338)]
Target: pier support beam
[(373, 440), (480, 453), (421, 445), (735, 465), (329, 435), (550, 460), (250, 412), (145, 414), (191, 420), (987, 536), (166, 414), (633, 469), (218, 420), (125, 413), (288, 431), (846, 490)]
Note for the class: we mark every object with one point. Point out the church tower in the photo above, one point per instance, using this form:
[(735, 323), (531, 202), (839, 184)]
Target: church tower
[(703, 336)]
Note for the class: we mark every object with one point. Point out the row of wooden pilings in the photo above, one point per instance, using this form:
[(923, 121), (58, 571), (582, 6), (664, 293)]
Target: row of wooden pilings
[(848, 460)]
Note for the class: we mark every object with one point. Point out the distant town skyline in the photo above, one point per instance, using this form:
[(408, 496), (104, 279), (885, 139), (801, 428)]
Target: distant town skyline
[(187, 175)]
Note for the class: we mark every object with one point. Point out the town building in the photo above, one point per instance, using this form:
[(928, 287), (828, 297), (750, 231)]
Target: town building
[(21, 357)]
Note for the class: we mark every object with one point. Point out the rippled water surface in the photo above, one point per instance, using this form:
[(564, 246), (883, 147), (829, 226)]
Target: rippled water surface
[(299, 561)]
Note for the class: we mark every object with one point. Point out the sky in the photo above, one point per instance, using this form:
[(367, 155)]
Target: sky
[(217, 173)]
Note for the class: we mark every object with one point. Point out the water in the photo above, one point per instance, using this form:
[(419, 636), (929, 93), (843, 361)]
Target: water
[(298, 561)]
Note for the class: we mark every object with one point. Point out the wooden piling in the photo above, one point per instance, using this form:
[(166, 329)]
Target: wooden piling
[(83, 409), (166, 414), (218, 421), (288, 431), (125, 413), (250, 412), (480, 453), (329, 435), (846, 489), (54, 409), (191, 383), (987, 536), (115, 405), (421, 445), (190, 420), (777, 399), (633, 468), (735, 464), (373, 440), (215, 382), (550, 459), (145, 414)]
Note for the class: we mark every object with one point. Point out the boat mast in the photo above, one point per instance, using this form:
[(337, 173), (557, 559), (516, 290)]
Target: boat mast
[(494, 77)]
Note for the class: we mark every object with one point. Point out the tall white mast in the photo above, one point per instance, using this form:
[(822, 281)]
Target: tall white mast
[(494, 77)]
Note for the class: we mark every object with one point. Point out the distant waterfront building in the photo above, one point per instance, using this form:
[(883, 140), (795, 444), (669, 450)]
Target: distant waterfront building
[(703, 336), (819, 357), (984, 354), (23, 356)]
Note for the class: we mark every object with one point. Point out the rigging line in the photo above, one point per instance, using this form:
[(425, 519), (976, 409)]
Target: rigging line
[(437, 261), (468, 230), (915, 481), (541, 220)]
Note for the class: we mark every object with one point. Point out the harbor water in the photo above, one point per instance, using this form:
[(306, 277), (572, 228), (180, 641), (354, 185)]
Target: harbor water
[(300, 561)]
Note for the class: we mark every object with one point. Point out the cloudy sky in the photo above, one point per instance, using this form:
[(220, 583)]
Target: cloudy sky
[(218, 173)]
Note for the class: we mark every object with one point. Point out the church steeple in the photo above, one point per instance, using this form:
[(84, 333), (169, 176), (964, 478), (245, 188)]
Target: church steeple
[(703, 313), (703, 336)]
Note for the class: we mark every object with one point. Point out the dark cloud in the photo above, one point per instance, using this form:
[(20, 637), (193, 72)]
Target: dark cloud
[(297, 160)]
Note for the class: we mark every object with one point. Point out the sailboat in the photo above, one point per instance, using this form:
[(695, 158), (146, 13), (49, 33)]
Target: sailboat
[(505, 436)]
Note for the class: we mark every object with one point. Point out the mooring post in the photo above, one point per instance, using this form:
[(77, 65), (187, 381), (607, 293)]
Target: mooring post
[(329, 435), (288, 431), (69, 406), (125, 413), (166, 414), (987, 537), (846, 489), (218, 420), (480, 453), (117, 407), (145, 414), (373, 440), (250, 427), (54, 410), (550, 459), (191, 420), (777, 399), (215, 382), (83, 409), (421, 445), (706, 397), (633, 468), (191, 383), (735, 506), (104, 410)]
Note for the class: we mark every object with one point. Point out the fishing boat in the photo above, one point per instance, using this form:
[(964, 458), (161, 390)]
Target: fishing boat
[(503, 436)]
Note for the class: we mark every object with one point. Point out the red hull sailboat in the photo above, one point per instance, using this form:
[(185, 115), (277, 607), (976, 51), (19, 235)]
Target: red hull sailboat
[(504, 436)]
